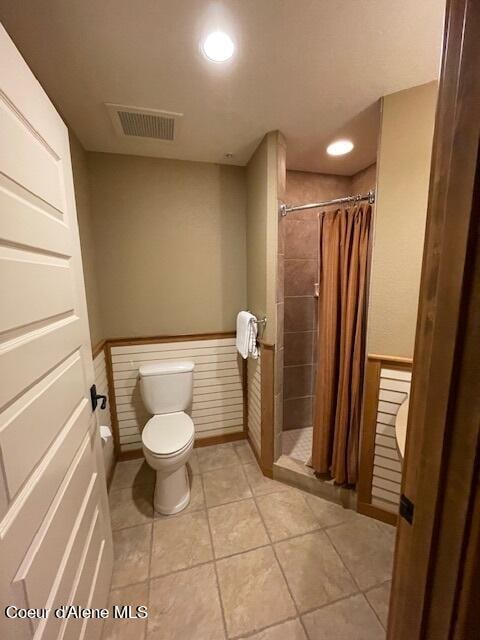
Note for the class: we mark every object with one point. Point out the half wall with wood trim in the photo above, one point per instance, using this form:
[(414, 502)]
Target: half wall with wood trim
[(254, 369), (218, 394), (387, 384), (103, 416)]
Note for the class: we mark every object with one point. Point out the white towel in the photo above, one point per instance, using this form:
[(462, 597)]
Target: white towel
[(247, 335)]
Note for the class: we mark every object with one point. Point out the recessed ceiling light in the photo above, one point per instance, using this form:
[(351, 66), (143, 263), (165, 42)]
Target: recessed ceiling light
[(218, 46), (339, 147)]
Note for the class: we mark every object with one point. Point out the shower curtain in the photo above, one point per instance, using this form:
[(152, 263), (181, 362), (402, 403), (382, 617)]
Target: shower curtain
[(344, 246)]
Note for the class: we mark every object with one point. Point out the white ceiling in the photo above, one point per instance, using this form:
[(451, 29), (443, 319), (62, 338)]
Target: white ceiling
[(314, 69)]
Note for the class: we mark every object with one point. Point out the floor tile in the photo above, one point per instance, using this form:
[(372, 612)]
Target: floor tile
[(185, 605), (259, 483), (131, 506), (197, 496), (125, 629), (314, 571), (286, 514), (236, 527), (379, 599), (350, 619), (132, 472), (219, 456), (329, 514), (180, 542), (366, 548), (290, 630), (197, 499), (253, 591), (225, 485), (244, 452), (131, 551), (193, 463), (387, 529), (297, 443)]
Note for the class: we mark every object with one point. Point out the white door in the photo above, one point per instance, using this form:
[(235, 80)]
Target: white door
[(55, 536)]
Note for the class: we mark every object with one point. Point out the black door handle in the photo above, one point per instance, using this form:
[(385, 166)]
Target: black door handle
[(95, 397)]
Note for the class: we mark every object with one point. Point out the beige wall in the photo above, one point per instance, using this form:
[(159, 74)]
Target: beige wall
[(170, 240), (262, 215), (87, 237), (402, 194)]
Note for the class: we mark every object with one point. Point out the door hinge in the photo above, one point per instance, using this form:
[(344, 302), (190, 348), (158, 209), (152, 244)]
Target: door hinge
[(407, 508)]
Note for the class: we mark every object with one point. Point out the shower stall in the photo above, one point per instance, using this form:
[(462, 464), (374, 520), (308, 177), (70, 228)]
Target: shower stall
[(299, 277)]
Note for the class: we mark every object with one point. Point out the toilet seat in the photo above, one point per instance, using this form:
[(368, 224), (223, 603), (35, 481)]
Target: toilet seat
[(168, 434)]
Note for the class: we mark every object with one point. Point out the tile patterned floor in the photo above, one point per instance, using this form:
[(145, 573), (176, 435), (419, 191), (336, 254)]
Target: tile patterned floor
[(297, 443), (249, 558)]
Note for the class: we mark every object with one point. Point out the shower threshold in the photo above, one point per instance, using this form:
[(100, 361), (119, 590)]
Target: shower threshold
[(291, 468)]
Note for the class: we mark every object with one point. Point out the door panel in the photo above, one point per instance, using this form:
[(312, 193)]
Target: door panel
[(90, 565), (41, 350), (26, 220), (34, 165), (50, 403), (39, 569), (51, 294), (30, 506), (55, 532), (79, 541)]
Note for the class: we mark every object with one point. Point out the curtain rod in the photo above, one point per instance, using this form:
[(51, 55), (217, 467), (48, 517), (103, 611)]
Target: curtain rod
[(370, 197)]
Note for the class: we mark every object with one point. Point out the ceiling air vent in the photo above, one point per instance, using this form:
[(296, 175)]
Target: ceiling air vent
[(143, 123)]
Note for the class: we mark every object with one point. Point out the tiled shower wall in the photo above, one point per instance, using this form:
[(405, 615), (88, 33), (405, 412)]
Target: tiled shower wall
[(298, 268), (301, 241)]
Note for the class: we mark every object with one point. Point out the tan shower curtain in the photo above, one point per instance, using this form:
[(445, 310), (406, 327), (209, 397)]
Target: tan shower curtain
[(344, 245)]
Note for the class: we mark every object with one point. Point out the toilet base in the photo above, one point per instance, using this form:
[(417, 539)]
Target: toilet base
[(172, 491)]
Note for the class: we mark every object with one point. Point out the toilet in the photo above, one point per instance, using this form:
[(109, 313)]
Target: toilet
[(167, 438)]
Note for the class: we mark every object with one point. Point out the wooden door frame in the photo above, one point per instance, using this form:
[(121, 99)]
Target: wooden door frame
[(435, 590)]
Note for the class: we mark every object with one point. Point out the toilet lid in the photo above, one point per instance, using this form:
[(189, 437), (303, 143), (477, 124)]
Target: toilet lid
[(169, 433)]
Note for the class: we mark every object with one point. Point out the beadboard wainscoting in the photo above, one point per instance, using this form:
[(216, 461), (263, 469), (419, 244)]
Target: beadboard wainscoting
[(103, 416), (388, 383), (100, 368), (394, 387), (254, 386), (218, 403)]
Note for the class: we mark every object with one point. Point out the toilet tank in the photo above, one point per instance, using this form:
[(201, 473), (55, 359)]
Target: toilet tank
[(167, 386)]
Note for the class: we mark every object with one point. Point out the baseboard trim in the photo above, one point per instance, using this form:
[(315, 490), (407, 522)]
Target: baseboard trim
[(379, 514), (227, 437)]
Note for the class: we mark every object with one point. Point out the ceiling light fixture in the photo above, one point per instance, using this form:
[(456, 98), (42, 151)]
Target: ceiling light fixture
[(339, 147), (218, 47)]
